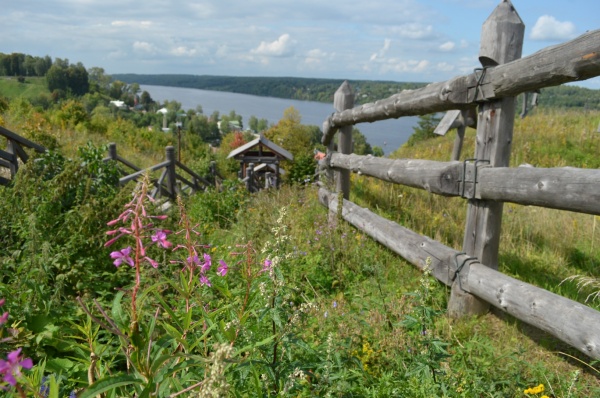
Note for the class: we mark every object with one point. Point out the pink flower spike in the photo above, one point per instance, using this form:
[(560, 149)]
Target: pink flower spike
[(112, 222), (204, 281), (2, 301), (222, 268), (122, 255), (3, 318), (152, 262), (160, 238), (162, 217), (11, 368)]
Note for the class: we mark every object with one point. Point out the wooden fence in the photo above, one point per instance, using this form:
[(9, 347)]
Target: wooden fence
[(9, 159), (485, 181), (171, 181)]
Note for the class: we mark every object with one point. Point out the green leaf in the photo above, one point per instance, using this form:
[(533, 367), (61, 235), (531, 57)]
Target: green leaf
[(109, 383), (117, 310)]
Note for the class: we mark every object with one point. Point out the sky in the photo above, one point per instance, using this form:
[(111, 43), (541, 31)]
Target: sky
[(397, 40)]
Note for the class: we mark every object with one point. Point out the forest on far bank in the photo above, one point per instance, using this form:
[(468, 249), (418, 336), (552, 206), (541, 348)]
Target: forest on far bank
[(322, 90)]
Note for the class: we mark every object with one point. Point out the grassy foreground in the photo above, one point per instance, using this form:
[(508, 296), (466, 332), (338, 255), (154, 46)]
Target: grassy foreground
[(303, 308)]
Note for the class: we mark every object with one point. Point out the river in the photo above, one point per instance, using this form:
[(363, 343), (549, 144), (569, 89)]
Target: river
[(387, 134)]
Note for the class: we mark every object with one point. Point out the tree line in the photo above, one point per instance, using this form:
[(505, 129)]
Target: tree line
[(322, 90)]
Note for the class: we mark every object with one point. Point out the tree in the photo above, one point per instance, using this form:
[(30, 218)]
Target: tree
[(99, 79), (424, 129), (77, 79), (291, 134), (56, 78)]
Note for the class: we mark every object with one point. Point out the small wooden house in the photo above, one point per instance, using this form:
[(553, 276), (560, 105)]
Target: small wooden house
[(260, 151)]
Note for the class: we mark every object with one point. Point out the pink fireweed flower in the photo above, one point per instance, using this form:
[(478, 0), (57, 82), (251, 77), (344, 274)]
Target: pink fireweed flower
[(2, 301), (207, 264), (3, 318), (160, 238), (11, 368), (222, 268), (267, 265), (204, 281), (122, 255), (193, 260)]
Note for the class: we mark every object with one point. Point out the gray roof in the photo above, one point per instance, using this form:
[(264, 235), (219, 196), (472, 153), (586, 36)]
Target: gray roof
[(261, 141), (270, 166)]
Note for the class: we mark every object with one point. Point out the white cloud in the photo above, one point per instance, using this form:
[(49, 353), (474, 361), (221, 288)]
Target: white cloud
[(182, 51), (315, 57), (410, 66), (549, 28), (445, 67), (278, 48), (448, 46), (415, 31), (144, 47), (381, 53), (132, 24)]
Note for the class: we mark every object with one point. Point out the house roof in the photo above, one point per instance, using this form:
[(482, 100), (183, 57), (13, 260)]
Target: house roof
[(264, 142), (272, 168)]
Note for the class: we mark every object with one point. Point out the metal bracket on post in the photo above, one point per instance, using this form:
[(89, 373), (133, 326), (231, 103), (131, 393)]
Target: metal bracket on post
[(460, 267), (463, 178)]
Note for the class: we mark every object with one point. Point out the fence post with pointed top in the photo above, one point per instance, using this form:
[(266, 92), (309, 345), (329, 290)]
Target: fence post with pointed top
[(501, 42), (342, 100)]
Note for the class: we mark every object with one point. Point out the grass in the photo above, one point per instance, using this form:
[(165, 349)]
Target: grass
[(364, 294), (31, 88)]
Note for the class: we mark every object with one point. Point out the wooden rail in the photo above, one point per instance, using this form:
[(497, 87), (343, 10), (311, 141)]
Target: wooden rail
[(486, 182), (14, 152), (170, 183)]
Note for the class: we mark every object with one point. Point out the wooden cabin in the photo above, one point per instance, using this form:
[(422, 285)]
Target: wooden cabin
[(260, 151)]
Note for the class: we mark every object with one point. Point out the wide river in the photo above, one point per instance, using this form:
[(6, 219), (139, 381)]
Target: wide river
[(387, 134)]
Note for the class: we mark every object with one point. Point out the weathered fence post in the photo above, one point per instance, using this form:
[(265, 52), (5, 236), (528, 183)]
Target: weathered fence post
[(268, 177), (342, 100), (112, 151), (171, 176), (460, 136), (501, 42), (250, 177), (14, 164)]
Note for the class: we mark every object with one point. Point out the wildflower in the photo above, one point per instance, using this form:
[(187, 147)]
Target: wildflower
[(193, 260), (207, 263), (334, 305), (122, 255), (222, 268), (267, 265), (160, 238), (534, 390), (205, 281), (11, 368)]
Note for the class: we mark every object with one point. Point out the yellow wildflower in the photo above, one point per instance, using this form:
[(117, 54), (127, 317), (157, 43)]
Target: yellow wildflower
[(535, 390)]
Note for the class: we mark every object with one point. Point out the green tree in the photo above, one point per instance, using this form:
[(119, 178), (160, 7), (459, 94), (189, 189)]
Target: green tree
[(56, 78), (291, 134), (424, 129)]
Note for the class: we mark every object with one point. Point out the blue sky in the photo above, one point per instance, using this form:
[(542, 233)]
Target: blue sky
[(398, 40)]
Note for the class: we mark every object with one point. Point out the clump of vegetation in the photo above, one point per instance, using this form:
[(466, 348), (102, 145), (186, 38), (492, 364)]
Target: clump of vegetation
[(229, 294)]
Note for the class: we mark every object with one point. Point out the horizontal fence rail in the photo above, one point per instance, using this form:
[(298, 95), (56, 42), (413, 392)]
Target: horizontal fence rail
[(578, 59), (14, 153), (568, 320), (564, 188), (167, 183)]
